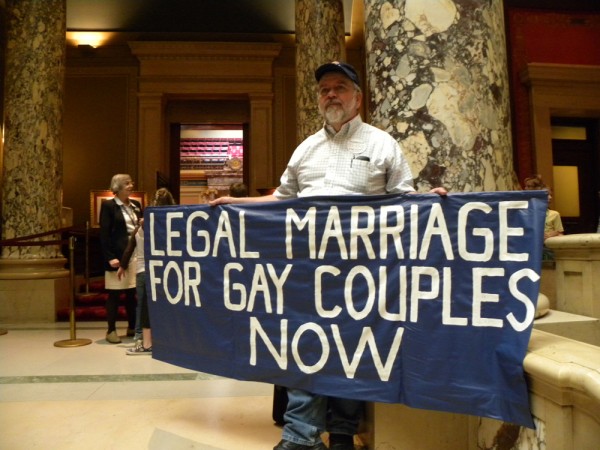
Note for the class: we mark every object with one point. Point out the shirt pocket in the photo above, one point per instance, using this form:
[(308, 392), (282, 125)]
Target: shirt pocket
[(360, 174)]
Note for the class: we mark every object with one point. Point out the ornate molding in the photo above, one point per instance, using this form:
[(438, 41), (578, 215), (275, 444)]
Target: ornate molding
[(538, 74)]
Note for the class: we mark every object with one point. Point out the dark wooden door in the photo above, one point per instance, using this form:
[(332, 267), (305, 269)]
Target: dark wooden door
[(584, 155)]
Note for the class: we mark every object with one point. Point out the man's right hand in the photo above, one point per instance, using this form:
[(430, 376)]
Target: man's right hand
[(226, 200), (222, 201)]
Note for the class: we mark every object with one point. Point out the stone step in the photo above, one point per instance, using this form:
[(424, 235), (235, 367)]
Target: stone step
[(573, 326)]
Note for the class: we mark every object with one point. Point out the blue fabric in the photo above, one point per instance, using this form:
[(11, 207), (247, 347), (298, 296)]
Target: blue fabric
[(415, 299)]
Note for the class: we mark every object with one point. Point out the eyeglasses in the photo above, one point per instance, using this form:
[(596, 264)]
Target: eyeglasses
[(337, 90)]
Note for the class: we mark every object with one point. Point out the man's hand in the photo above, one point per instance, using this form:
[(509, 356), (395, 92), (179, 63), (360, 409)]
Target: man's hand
[(222, 201), (225, 200), (439, 191)]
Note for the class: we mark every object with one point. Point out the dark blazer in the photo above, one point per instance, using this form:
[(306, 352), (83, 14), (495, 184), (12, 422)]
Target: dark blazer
[(131, 246), (113, 230)]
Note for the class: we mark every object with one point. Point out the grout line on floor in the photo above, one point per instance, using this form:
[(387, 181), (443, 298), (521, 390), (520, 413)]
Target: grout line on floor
[(106, 378)]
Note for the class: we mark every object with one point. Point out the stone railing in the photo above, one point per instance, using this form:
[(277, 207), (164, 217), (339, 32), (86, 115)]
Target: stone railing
[(564, 386), (577, 273)]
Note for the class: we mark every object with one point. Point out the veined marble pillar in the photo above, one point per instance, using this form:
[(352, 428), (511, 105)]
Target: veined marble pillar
[(33, 99), (438, 82), (31, 181), (319, 39)]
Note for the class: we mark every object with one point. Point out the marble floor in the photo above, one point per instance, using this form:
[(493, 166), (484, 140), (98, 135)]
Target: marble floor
[(96, 397)]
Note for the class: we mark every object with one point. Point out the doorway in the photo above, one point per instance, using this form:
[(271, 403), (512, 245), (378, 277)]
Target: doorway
[(576, 164), (209, 146), (206, 159)]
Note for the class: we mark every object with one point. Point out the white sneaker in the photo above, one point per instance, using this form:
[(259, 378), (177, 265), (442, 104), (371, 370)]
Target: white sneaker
[(139, 351)]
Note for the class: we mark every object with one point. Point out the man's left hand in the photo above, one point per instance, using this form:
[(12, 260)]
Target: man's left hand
[(439, 191)]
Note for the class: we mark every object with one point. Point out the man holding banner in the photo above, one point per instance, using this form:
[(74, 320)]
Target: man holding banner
[(345, 157)]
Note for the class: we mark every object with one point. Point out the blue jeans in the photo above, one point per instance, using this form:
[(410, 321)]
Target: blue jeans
[(140, 287), (308, 415)]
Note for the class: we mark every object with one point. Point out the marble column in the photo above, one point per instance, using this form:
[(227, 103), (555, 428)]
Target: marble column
[(33, 280), (319, 39), (438, 82), (33, 97)]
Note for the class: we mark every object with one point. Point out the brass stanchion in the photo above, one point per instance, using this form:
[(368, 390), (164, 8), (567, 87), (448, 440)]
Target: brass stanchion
[(87, 262), (73, 342)]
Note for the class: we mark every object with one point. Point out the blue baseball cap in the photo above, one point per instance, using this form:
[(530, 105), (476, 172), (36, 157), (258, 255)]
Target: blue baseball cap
[(339, 67)]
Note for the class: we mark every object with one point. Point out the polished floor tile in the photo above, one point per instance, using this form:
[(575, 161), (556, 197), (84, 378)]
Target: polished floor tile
[(96, 397)]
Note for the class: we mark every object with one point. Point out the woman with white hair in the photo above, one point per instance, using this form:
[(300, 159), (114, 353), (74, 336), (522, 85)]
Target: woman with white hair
[(118, 218)]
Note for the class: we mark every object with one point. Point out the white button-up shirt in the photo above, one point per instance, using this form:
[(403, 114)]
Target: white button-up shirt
[(359, 159)]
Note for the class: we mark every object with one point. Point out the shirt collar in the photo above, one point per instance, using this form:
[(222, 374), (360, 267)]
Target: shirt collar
[(120, 203), (347, 129)]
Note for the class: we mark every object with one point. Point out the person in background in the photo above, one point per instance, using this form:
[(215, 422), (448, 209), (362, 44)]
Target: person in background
[(118, 218), (238, 190), (553, 226), (534, 183), (345, 157), (162, 197)]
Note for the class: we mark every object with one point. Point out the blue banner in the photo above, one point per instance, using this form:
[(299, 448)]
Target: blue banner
[(415, 299)]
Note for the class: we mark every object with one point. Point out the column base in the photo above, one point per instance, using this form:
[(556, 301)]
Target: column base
[(32, 290), (422, 429)]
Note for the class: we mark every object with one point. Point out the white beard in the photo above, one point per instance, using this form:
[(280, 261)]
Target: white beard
[(336, 114)]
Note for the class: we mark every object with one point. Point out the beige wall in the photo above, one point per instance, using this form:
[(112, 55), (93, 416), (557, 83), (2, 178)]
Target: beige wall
[(99, 133)]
